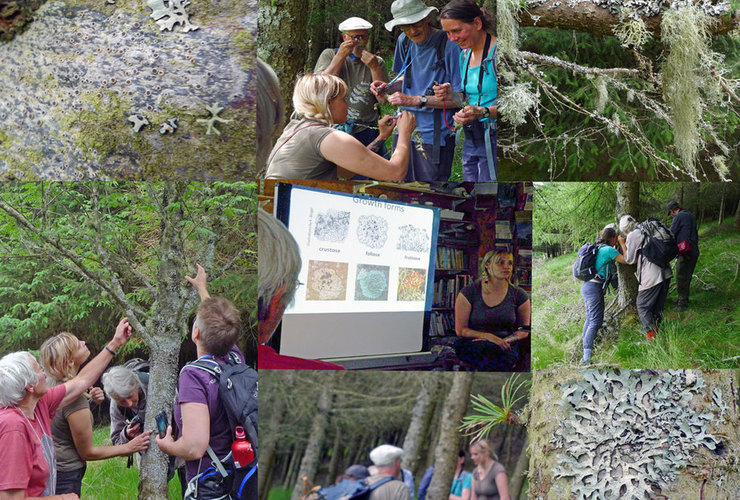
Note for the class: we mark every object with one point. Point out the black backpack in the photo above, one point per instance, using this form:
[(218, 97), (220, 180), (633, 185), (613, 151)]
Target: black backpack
[(238, 394), (659, 245)]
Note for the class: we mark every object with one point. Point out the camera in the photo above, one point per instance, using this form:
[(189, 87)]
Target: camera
[(357, 38)]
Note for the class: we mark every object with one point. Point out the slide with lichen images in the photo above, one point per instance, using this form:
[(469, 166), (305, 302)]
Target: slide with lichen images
[(360, 254)]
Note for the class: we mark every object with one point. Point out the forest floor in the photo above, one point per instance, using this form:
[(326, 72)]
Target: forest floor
[(111, 480), (707, 335)]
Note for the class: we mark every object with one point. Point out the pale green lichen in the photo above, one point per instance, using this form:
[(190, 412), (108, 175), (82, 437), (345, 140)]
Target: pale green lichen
[(515, 101), (507, 27), (632, 31), (171, 14), (602, 94), (685, 31), (214, 109)]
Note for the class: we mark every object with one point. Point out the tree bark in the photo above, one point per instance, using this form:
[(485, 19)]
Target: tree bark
[(590, 18), (737, 217), (551, 413), (628, 199), (283, 42), (448, 445), (516, 481), (421, 416), (722, 205), (312, 453)]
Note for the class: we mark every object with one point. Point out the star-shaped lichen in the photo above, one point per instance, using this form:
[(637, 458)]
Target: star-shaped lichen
[(167, 16), (214, 109)]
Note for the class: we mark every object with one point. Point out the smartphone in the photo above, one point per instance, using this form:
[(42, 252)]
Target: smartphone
[(134, 420), (161, 423)]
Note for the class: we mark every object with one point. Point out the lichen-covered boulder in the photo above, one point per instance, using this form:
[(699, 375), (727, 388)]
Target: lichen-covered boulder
[(130, 89)]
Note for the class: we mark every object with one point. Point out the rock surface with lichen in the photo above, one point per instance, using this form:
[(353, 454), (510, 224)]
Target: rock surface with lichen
[(72, 78), (636, 434)]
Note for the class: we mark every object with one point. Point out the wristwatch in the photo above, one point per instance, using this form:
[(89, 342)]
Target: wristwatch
[(423, 101), (486, 112)]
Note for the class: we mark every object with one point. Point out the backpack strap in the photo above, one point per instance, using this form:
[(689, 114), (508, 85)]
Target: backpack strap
[(386, 479), (275, 151)]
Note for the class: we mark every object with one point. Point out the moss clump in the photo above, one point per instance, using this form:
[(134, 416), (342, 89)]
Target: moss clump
[(246, 49), (101, 127)]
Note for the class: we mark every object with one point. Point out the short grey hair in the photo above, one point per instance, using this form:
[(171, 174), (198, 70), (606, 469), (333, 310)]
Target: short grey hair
[(16, 373), (627, 224), (119, 382), (279, 261), (269, 109)]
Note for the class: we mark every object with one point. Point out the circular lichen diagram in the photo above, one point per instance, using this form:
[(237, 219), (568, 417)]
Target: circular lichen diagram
[(372, 231), (628, 433)]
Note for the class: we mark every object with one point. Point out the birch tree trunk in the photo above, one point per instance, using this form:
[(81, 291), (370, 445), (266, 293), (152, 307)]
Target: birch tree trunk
[(607, 434), (312, 453), (448, 445), (421, 417)]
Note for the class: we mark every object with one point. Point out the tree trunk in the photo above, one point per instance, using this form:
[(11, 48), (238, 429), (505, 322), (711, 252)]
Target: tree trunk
[(722, 205), (421, 416), (334, 463), (283, 42), (312, 454), (628, 199), (591, 18), (516, 479), (737, 217), (612, 418), (453, 411), (269, 435)]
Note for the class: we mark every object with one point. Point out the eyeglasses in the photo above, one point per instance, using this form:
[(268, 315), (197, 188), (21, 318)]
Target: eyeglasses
[(416, 25), (298, 284)]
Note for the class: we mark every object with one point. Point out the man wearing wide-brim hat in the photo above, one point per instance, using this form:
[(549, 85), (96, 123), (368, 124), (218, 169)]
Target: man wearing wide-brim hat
[(423, 58), (358, 68)]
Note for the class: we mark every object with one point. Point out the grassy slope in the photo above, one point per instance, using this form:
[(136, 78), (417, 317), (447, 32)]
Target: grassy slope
[(704, 336), (111, 480)]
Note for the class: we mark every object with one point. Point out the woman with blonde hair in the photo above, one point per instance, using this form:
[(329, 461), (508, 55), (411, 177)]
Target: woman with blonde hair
[(491, 316), (489, 476), (72, 426), (310, 148)]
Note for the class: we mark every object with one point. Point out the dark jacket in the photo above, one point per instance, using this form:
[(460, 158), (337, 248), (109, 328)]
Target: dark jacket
[(684, 229)]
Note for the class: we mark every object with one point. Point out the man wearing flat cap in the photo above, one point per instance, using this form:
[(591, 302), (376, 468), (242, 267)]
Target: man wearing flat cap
[(385, 485), (358, 68), (683, 228), (423, 58)]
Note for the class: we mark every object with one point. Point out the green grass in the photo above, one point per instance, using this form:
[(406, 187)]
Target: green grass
[(111, 480), (279, 494), (706, 336)]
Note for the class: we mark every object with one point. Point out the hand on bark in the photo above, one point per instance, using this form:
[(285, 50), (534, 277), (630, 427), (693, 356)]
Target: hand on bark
[(139, 443), (122, 335)]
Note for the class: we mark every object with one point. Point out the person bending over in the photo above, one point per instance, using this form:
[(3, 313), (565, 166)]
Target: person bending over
[(310, 148)]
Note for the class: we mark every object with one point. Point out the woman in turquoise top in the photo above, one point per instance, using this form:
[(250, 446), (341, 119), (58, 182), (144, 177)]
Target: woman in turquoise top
[(593, 291), (467, 24)]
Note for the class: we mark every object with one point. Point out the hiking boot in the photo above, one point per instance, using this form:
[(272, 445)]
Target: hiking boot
[(652, 335), (586, 359)]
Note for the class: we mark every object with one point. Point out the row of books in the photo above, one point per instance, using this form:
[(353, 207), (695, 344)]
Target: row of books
[(450, 258), (446, 290), (441, 324)]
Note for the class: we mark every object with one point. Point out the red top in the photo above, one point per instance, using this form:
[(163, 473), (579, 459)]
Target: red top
[(268, 359), (22, 463)]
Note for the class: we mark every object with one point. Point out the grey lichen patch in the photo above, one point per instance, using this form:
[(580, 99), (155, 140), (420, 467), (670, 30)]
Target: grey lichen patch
[(168, 15), (139, 122), (61, 76), (629, 433), (214, 109), (646, 8)]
